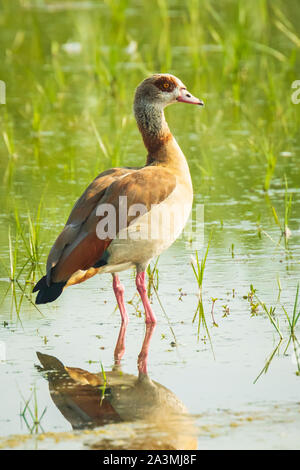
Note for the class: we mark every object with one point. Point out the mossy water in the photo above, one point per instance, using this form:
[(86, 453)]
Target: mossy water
[(70, 70)]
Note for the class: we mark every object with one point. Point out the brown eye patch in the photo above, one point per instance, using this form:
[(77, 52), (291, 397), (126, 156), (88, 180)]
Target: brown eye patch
[(165, 84)]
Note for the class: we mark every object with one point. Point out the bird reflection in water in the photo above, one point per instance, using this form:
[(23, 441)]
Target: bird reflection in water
[(159, 420)]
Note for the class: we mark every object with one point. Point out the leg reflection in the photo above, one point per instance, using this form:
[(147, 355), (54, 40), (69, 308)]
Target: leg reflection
[(120, 346), (143, 356)]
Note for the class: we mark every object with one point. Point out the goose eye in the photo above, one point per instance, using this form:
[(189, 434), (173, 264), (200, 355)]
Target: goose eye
[(164, 84)]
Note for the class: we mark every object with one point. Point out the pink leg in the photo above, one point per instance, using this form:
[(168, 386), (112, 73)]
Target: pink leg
[(120, 346), (143, 356), (142, 289), (119, 293)]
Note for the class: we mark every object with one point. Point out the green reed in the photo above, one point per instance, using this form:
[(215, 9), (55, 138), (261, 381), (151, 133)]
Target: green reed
[(292, 322), (29, 412), (153, 278), (268, 361), (23, 263), (283, 223), (198, 267)]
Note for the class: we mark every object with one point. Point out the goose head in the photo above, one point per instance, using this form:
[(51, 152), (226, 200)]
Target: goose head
[(162, 90)]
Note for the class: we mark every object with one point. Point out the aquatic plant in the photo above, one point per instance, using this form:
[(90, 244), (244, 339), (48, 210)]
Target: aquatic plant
[(31, 239), (284, 224), (30, 413), (292, 322), (250, 297), (153, 277), (24, 255), (104, 385), (268, 361), (198, 270)]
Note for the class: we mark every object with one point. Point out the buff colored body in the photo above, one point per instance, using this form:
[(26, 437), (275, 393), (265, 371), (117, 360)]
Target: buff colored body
[(163, 186)]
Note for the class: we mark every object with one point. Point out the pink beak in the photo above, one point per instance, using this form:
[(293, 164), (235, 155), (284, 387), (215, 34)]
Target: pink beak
[(186, 97)]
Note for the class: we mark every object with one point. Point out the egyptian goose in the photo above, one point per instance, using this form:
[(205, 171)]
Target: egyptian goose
[(120, 221)]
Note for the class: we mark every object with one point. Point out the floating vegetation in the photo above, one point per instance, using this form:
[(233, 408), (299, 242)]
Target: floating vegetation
[(250, 297), (181, 294), (226, 311)]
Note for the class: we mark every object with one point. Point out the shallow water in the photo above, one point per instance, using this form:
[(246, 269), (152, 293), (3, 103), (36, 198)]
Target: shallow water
[(56, 154)]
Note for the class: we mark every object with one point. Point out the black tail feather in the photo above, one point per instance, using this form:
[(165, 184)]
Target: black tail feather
[(40, 284), (47, 293)]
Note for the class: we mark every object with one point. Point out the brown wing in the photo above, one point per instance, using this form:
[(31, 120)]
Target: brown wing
[(80, 212), (149, 185)]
